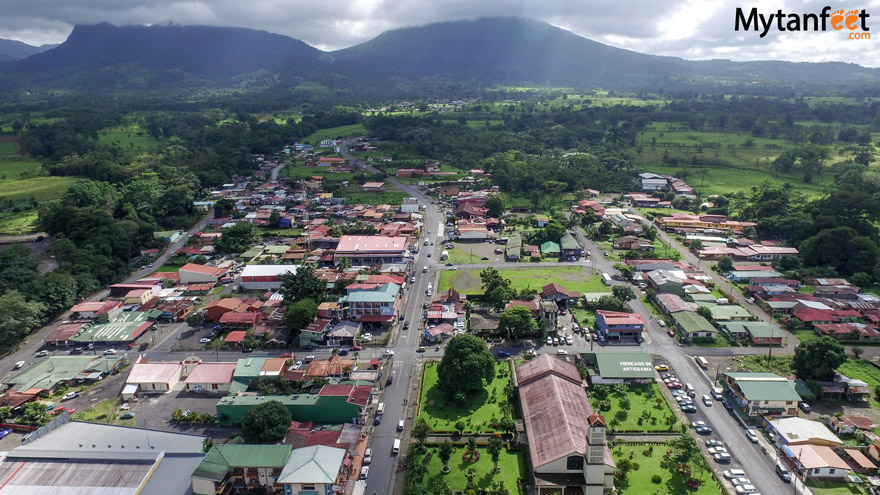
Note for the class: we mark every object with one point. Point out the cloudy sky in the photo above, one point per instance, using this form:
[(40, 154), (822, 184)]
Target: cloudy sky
[(692, 29)]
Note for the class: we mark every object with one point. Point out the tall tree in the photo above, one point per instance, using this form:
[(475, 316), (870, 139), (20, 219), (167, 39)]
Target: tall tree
[(495, 204), (517, 322), (265, 422), (494, 449), (623, 292), (818, 359), (421, 430), (497, 291), (300, 314), (238, 238), (444, 452), (302, 284), (466, 367)]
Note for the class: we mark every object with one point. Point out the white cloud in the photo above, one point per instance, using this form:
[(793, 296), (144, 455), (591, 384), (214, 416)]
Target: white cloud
[(693, 29)]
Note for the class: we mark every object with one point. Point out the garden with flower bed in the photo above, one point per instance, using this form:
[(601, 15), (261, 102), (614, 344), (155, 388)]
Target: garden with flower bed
[(633, 408), (470, 470), (648, 469)]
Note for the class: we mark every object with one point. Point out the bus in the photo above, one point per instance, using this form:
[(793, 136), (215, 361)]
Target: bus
[(606, 279), (702, 362)]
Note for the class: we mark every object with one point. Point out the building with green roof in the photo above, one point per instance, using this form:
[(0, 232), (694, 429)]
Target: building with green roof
[(551, 248), (693, 326), (570, 247), (698, 297), (231, 467), (513, 249), (727, 312), (247, 371), (331, 405), (763, 393), (757, 332), (312, 469), (51, 372), (620, 367)]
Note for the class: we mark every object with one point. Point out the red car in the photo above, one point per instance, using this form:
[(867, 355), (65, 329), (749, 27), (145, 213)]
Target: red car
[(355, 348), (674, 385), (670, 333), (595, 336)]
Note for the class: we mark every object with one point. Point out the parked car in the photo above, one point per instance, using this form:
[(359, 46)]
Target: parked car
[(722, 458), (400, 425), (412, 279), (595, 336), (503, 354), (421, 349), (355, 348), (568, 340), (711, 442), (561, 352), (726, 404), (734, 473), (5, 432), (70, 395), (703, 430), (707, 401), (42, 353), (247, 350), (671, 333), (555, 341), (740, 481), (343, 352), (746, 489), (661, 323), (661, 367), (142, 347), (377, 420), (805, 407), (76, 350), (204, 340), (110, 352), (688, 408)]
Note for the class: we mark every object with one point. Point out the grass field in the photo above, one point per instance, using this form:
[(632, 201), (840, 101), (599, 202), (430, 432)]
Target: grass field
[(573, 278), (40, 188), (23, 222), (354, 195), (335, 132), (299, 171), (442, 413), (862, 369), (638, 481), (512, 466), (106, 411), (758, 363), (648, 411), (836, 488), (128, 138)]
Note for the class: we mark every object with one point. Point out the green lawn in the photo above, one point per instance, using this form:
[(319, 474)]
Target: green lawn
[(442, 414), (7, 149), (40, 188), (758, 364), (804, 334), (863, 370), (261, 231), (512, 465), (335, 132), (648, 411), (573, 278), (354, 196), (11, 167), (128, 138), (648, 458), (829, 488)]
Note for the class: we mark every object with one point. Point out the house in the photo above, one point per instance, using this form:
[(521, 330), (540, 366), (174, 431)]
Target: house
[(213, 378), (371, 303), (235, 319), (51, 373), (100, 311), (817, 462), (336, 404), (235, 338), (849, 424), (848, 331), (313, 470), (617, 326), (798, 431), (469, 211), (138, 296), (152, 378), (551, 249), (513, 249), (315, 331), (373, 187), (665, 281), (229, 468), (439, 332), (191, 273), (672, 303), (334, 367), (558, 294), (215, 309), (633, 243), (260, 277), (757, 332), (693, 326), (565, 437), (571, 250), (763, 393), (653, 182)]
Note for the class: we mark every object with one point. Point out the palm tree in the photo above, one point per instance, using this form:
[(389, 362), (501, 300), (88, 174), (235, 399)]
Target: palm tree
[(471, 445), (494, 450)]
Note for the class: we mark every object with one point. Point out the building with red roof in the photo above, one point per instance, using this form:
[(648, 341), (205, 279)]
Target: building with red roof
[(194, 273), (235, 338), (101, 311), (372, 250), (614, 325), (240, 320), (213, 378)]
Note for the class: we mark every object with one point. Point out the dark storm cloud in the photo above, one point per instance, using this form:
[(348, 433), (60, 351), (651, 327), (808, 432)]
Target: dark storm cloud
[(687, 28)]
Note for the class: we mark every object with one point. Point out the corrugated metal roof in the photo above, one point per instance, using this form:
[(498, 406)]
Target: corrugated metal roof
[(223, 457), (212, 373), (153, 372), (317, 464)]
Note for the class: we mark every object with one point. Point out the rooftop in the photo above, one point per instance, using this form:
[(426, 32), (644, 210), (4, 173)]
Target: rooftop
[(212, 373), (625, 365), (153, 372), (222, 457), (318, 464), (799, 430)]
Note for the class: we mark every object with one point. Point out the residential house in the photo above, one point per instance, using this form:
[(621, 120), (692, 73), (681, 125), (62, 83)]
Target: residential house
[(565, 437), (152, 378), (670, 304), (763, 393), (229, 468), (848, 331), (850, 425), (756, 332), (693, 326), (212, 378), (633, 243), (559, 295), (665, 281), (336, 404), (800, 431), (439, 332), (551, 249), (371, 303), (817, 462), (313, 470), (373, 187)]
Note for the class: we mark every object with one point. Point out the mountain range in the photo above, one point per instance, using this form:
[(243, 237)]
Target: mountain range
[(487, 51)]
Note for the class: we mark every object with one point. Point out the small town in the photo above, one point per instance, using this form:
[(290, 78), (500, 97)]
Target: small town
[(355, 338)]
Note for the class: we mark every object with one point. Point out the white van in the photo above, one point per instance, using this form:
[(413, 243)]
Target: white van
[(368, 456), (690, 390), (381, 408), (19, 365), (395, 449)]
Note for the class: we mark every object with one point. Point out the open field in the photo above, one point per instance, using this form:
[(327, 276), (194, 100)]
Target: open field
[(335, 132), (573, 278), (862, 369), (836, 488), (512, 466), (40, 188), (442, 413), (18, 223), (127, 137), (648, 411), (649, 458)]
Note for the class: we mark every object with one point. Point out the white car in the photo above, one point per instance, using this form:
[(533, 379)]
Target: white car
[(561, 351), (707, 401), (42, 353), (568, 340), (298, 365), (549, 340), (661, 323), (740, 481), (367, 337), (204, 340), (110, 352), (752, 436), (746, 489), (716, 450), (734, 473)]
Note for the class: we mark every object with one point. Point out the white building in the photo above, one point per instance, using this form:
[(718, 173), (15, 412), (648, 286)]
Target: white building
[(191, 273), (262, 277)]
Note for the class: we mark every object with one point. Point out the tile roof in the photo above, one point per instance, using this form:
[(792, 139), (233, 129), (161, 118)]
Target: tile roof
[(236, 336)]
